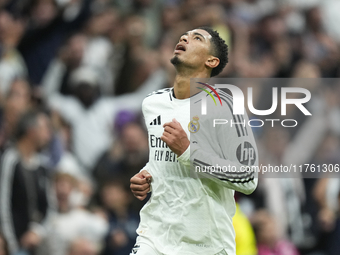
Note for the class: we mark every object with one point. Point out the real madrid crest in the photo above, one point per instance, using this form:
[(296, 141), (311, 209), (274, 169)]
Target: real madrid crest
[(194, 126)]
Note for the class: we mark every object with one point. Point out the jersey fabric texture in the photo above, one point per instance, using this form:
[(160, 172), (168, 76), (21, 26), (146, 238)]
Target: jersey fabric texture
[(189, 212), (144, 247)]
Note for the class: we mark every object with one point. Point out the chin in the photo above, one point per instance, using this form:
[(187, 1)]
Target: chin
[(175, 60)]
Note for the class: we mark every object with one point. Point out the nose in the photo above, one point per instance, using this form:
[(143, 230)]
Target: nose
[(184, 38)]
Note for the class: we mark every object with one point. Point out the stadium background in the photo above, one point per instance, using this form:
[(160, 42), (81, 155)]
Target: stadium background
[(118, 50)]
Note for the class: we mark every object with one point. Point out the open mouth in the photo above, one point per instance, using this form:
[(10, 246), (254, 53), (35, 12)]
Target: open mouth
[(180, 47)]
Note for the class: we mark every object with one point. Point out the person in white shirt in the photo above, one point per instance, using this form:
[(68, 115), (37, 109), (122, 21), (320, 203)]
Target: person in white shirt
[(90, 115), (191, 207)]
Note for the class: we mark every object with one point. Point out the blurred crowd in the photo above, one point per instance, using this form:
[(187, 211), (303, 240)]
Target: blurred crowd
[(73, 74)]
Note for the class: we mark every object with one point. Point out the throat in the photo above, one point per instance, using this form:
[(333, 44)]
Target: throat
[(182, 87)]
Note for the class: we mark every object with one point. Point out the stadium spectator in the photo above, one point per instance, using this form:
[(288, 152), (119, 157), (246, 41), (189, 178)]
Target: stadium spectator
[(101, 52), (319, 47), (71, 222), (48, 26), (24, 188), (137, 58), (91, 116), (17, 100), (269, 240), (126, 156), (282, 197), (82, 246), (12, 65), (79, 50), (117, 200), (69, 58)]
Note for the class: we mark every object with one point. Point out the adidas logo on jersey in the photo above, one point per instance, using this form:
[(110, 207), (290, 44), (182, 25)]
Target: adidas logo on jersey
[(156, 121), (135, 249)]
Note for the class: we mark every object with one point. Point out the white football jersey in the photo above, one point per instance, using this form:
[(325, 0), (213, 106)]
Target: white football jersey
[(190, 212)]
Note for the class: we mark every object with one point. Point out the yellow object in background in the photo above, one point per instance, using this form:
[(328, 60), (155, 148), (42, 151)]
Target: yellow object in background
[(245, 237), (224, 32)]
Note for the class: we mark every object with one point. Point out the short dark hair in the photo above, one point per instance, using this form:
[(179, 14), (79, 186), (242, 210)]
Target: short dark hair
[(219, 50), (26, 121)]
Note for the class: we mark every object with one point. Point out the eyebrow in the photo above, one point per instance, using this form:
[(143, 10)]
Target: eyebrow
[(195, 33), (199, 35)]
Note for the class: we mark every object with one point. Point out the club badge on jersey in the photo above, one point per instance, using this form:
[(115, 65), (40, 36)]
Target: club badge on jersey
[(194, 125)]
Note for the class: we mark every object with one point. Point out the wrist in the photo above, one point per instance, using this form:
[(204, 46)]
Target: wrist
[(183, 150), (184, 158)]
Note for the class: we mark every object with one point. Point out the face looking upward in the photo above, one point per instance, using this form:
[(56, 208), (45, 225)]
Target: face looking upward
[(194, 51)]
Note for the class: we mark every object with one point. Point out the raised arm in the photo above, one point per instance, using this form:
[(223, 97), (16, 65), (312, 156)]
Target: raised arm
[(67, 106)]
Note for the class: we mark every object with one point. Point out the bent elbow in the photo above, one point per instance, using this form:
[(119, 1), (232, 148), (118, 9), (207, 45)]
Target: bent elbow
[(250, 187), (249, 190)]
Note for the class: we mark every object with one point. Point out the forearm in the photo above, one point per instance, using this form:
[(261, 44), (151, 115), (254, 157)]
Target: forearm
[(53, 78), (228, 173)]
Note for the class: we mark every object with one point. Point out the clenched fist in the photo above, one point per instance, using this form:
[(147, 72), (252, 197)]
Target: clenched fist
[(175, 137), (140, 184)]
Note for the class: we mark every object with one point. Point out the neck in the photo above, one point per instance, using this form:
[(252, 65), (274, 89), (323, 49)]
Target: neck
[(182, 83), (64, 206), (26, 148)]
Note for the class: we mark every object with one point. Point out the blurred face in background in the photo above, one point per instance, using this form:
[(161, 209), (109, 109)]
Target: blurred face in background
[(170, 16), (86, 93), (81, 196), (276, 141), (41, 133), (115, 197), (266, 228), (64, 185), (43, 12), (72, 53), (328, 149), (19, 95), (267, 233), (101, 23), (314, 19), (11, 29), (273, 29), (17, 102), (83, 247), (135, 29), (134, 138)]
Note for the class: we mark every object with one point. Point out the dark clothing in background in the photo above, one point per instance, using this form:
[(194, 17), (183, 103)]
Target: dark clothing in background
[(23, 196), (128, 226), (40, 45), (333, 244)]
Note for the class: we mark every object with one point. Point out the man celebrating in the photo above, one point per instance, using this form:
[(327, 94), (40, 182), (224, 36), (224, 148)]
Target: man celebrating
[(190, 212)]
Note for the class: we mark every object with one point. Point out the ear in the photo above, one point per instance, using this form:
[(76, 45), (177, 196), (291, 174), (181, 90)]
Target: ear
[(212, 62)]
